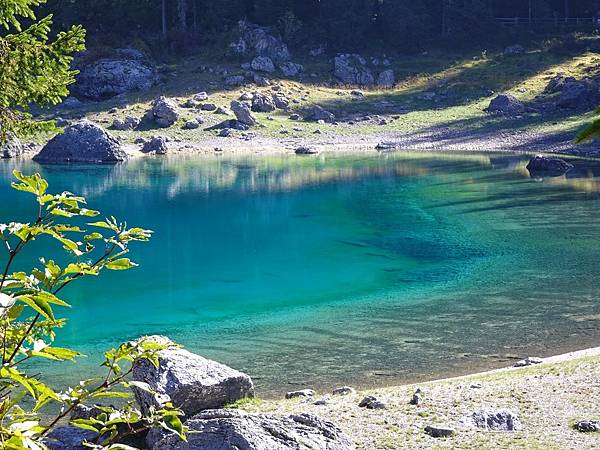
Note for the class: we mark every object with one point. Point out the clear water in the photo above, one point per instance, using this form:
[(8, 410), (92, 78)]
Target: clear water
[(338, 270)]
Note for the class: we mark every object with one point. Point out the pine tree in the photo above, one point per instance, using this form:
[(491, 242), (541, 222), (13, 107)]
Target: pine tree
[(33, 68)]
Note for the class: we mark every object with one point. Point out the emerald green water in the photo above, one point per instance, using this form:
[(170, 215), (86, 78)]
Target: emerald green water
[(338, 270)]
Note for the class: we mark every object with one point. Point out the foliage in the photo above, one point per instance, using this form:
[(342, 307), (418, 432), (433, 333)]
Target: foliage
[(33, 68), (28, 323), (592, 131)]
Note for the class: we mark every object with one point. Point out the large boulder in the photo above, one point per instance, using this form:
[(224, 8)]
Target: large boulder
[(12, 148), (263, 64), (352, 69), (506, 104), (262, 103), (164, 112), (242, 113), (189, 381), (156, 145), (291, 69), (106, 78), (69, 437), (386, 79), (577, 94), (317, 113), (548, 165), (260, 41), (557, 83), (236, 430), (82, 142)]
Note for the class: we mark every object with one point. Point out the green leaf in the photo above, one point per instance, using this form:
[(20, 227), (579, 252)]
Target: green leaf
[(120, 264), (38, 304)]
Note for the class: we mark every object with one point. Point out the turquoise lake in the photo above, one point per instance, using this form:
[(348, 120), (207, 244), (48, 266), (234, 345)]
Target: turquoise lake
[(317, 272)]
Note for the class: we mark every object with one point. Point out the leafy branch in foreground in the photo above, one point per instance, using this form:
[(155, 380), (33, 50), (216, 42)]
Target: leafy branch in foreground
[(28, 325), (592, 130), (33, 69)]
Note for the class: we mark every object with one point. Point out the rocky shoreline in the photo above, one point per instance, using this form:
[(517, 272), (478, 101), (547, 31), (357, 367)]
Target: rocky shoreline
[(548, 403)]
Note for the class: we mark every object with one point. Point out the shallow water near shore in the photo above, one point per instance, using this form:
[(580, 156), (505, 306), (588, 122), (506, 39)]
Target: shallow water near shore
[(317, 272)]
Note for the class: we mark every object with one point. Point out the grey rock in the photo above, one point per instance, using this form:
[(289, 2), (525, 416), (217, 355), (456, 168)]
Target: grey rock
[(506, 104), (222, 111), (260, 41), (295, 116), (130, 53), (200, 96), (71, 103), (588, 426), (301, 393), (291, 69), (69, 437), (209, 107), (417, 398), (352, 69), (550, 165), (262, 103), (557, 83), (263, 64), (246, 97), (82, 142), (225, 132), (577, 94), (261, 81), (439, 431), (514, 50), (164, 112), (235, 430), (85, 412), (128, 123), (344, 390), (371, 402), (106, 78), (12, 148), (156, 145), (192, 383), (280, 101), (317, 113), (235, 80), (242, 113), (494, 420), (357, 93), (387, 146), (386, 79), (192, 124)]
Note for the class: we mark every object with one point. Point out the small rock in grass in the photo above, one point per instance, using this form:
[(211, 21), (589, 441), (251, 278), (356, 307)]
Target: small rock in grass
[(294, 116), (225, 132), (371, 402), (529, 361), (417, 398), (200, 96), (209, 107), (301, 393), (476, 386), (494, 420), (588, 426), (322, 401), (438, 431), (222, 111), (344, 390), (191, 125)]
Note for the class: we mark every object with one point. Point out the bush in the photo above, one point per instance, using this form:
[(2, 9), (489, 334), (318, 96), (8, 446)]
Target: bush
[(28, 323)]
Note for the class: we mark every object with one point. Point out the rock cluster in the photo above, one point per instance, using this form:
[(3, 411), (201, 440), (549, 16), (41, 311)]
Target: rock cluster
[(82, 142), (353, 69), (259, 40), (106, 78)]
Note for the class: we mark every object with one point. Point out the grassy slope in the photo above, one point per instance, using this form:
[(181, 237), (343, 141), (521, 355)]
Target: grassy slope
[(463, 88), (549, 399)]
